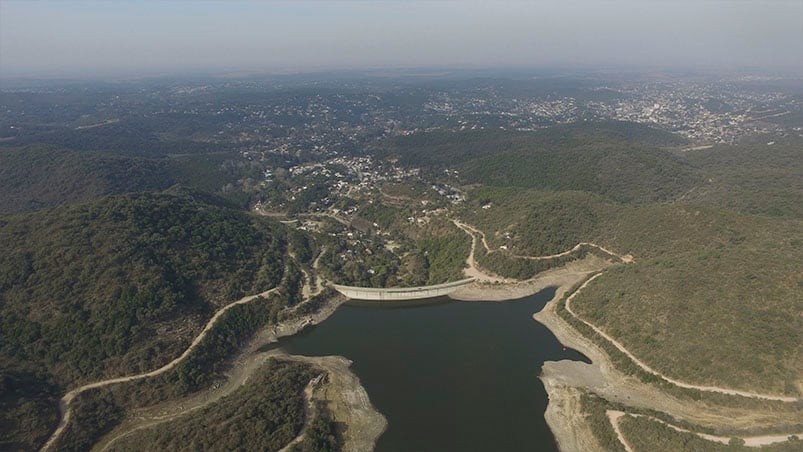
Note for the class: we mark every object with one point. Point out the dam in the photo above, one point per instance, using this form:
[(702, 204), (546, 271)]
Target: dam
[(401, 293)]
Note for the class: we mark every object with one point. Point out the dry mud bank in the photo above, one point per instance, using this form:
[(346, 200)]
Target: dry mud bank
[(563, 278), (341, 389), (348, 402), (565, 381)]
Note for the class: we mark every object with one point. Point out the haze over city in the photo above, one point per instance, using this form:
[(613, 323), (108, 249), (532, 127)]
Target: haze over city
[(86, 39)]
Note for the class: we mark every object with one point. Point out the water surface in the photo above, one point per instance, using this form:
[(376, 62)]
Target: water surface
[(449, 376)]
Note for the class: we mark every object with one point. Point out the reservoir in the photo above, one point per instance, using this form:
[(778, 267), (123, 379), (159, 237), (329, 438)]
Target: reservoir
[(447, 375)]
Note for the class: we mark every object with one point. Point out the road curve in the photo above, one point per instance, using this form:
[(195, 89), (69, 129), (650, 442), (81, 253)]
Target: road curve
[(473, 270), (614, 416), (650, 370), (64, 403), (471, 230)]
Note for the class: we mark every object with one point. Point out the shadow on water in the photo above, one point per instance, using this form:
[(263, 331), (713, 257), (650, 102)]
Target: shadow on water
[(447, 375)]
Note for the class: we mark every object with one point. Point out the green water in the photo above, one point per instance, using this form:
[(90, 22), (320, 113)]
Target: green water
[(449, 376)]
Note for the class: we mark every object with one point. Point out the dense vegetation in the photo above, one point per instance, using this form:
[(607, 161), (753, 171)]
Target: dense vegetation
[(92, 417), (724, 313), (444, 252), (714, 296), (265, 414), (503, 264), (202, 370), (444, 148), (430, 253), (537, 223), (322, 433), (618, 160), (116, 287), (700, 272), (594, 409), (130, 137), (28, 409), (93, 286), (756, 179), (36, 177)]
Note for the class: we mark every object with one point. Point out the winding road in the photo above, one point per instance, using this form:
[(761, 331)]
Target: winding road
[(652, 371), (472, 271), (64, 403), (471, 230), (309, 289), (615, 416)]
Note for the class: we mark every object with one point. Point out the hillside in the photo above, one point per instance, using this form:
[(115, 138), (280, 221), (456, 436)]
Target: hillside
[(617, 160), (117, 286), (129, 137), (39, 176), (265, 414), (751, 178), (447, 148), (714, 296)]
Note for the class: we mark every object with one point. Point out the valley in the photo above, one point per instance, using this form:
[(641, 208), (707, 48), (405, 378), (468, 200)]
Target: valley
[(167, 277)]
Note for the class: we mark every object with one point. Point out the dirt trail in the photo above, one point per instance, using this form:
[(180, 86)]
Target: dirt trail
[(561, 379), (64, 403), (347, 401), (489, 286), (147, 418), (473, 270), (277, 331), (310, 412), (313, 284), (652, 371), (341, 390), (566, 381), (471, 230), (750, 441), (613, 417), (565, 417), (246, 362)]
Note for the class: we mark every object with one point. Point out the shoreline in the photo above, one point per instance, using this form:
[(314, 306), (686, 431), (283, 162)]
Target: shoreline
[(565, 381), (347, 400), (561, 277), (350, 402)]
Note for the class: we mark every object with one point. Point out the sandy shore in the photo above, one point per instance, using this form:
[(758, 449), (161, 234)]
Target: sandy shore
[(348, 402), (564, 381), (342, 391), (562, 278)]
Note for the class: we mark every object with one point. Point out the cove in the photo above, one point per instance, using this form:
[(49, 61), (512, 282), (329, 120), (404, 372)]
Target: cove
[(447, 375)]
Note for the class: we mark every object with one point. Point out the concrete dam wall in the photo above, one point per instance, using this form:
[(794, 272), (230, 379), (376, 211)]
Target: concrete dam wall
[(401, 293)]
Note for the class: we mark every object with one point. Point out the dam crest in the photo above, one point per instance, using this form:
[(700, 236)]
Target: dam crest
[(401, 293)]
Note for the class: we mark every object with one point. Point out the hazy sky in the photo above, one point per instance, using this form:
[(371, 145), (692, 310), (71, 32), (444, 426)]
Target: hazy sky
[(89, 38)]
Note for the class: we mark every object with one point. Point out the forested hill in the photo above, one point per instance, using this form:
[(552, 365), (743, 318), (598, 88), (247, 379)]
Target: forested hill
[(119, 286), (752, 178), (41, 176), (615, 159), (129, 137), (82, 287), (714, 295)]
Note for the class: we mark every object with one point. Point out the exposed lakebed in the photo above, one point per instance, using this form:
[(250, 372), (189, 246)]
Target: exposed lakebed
[(447, 375)]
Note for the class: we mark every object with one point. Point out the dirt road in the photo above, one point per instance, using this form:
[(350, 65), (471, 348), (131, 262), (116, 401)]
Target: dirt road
[(64, 403), (652, 371), (615, 416)]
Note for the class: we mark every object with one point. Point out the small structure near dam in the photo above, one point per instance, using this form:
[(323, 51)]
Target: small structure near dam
[(401, 293)]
